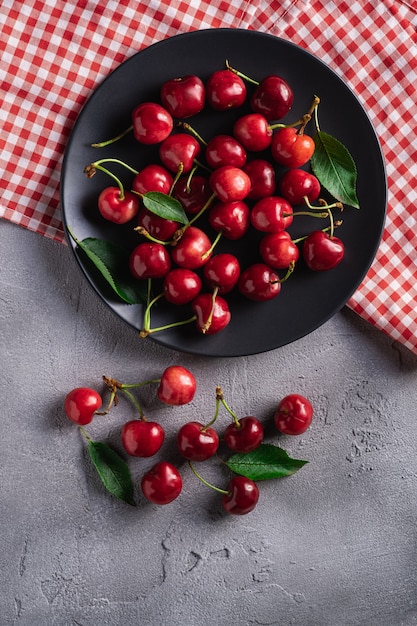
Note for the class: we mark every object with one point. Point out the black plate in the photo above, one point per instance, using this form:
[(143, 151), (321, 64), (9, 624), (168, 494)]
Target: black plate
[(308, 299)]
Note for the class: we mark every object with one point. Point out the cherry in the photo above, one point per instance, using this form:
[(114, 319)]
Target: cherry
[(297, 184), (322, 252), (193, 192), (149, 260), (117, 206), (225, 150), (157, 227), (230, 183), (278, 250), (81, 404), (291, 148), (273, 98), (193, 249), (232, 219), (212, 313), (222, 271), (197, 442), (142, 438), (271, 214), (242, 496), (184, 96), (162, 483), (151, 123), (294, 414), (153, 177), (177, 386), (253, 132), (244, 435), (179, 151), (259, 282), (225, 90), (181, 286), (262, 178)]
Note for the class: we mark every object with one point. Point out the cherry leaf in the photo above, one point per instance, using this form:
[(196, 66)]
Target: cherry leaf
[(113, 471), (267, 461), (335, 168), (165, 206)]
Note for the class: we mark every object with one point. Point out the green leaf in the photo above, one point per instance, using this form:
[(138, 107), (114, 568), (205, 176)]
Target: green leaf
[(112, 262), (267, 461), (113, 471), (165, 206), (335, 168)]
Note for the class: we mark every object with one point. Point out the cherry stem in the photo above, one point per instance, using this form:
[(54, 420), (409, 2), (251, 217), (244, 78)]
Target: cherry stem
[(220, 398), (205, 482), (85, 434), (323, 205), (309, 213), (142, 231), (102, 144), (202, 210), (114, 387), (144, 333), (118, 161), (193, 131), (235, 71), (336, 224), (177, 176), (213, 245), (90, 170), (207, 324), (302, 122), (290, 270)]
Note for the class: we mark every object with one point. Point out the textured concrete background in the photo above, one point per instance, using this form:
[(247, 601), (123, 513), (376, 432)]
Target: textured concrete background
[(334, 545)]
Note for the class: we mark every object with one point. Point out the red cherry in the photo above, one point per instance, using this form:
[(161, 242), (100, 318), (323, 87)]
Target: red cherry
[(197, 442), (184, 96), (80, 404), (158, 227), (212, 313), (244, 436), (293, 415), (193, 250), (153, 177), (222, 271), (291, 149), (322, 252), (177, 386), (142, 438), (262, 178), (193, 193), (225, 150), (278, 250), (242, 496), (151, 123), (230, 183), (225, 90), (181, 286), (253, 132), (162, 483), (149, 260), (297, 184), (117, 207), (271, 214), (179, 149), (273, 98), (259, 282), (230, 218)]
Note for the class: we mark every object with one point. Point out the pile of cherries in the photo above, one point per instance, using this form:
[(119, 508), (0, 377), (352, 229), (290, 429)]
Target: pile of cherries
[(233, 180), (196, 442)]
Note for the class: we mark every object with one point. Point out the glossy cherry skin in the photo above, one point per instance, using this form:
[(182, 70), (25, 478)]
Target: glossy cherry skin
[(230, 218), (273, 98), (193, 194), (181, 286), (294, 414), (253, 132), (177, 386), (153, 177), (211, 317), (193, 250), (242, 496), (142, 438), (149, 260), (246, 436), (278, 250), (117, 208), (297, 184), (177, 149), (184, 96), (271, 214), (80, 405), (222, 271), (291, 149), (225, 150), (197, 442), (225, 90), (322, 252), (158, 227), (152, 123), (230, 183), (162, 483), (262, 178), (259, 283)]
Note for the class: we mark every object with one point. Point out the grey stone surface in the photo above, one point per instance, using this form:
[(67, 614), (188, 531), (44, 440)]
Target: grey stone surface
[(334, 545)]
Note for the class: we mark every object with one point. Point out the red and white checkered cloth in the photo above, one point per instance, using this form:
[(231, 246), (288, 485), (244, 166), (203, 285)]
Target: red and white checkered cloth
[(55, 52)]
